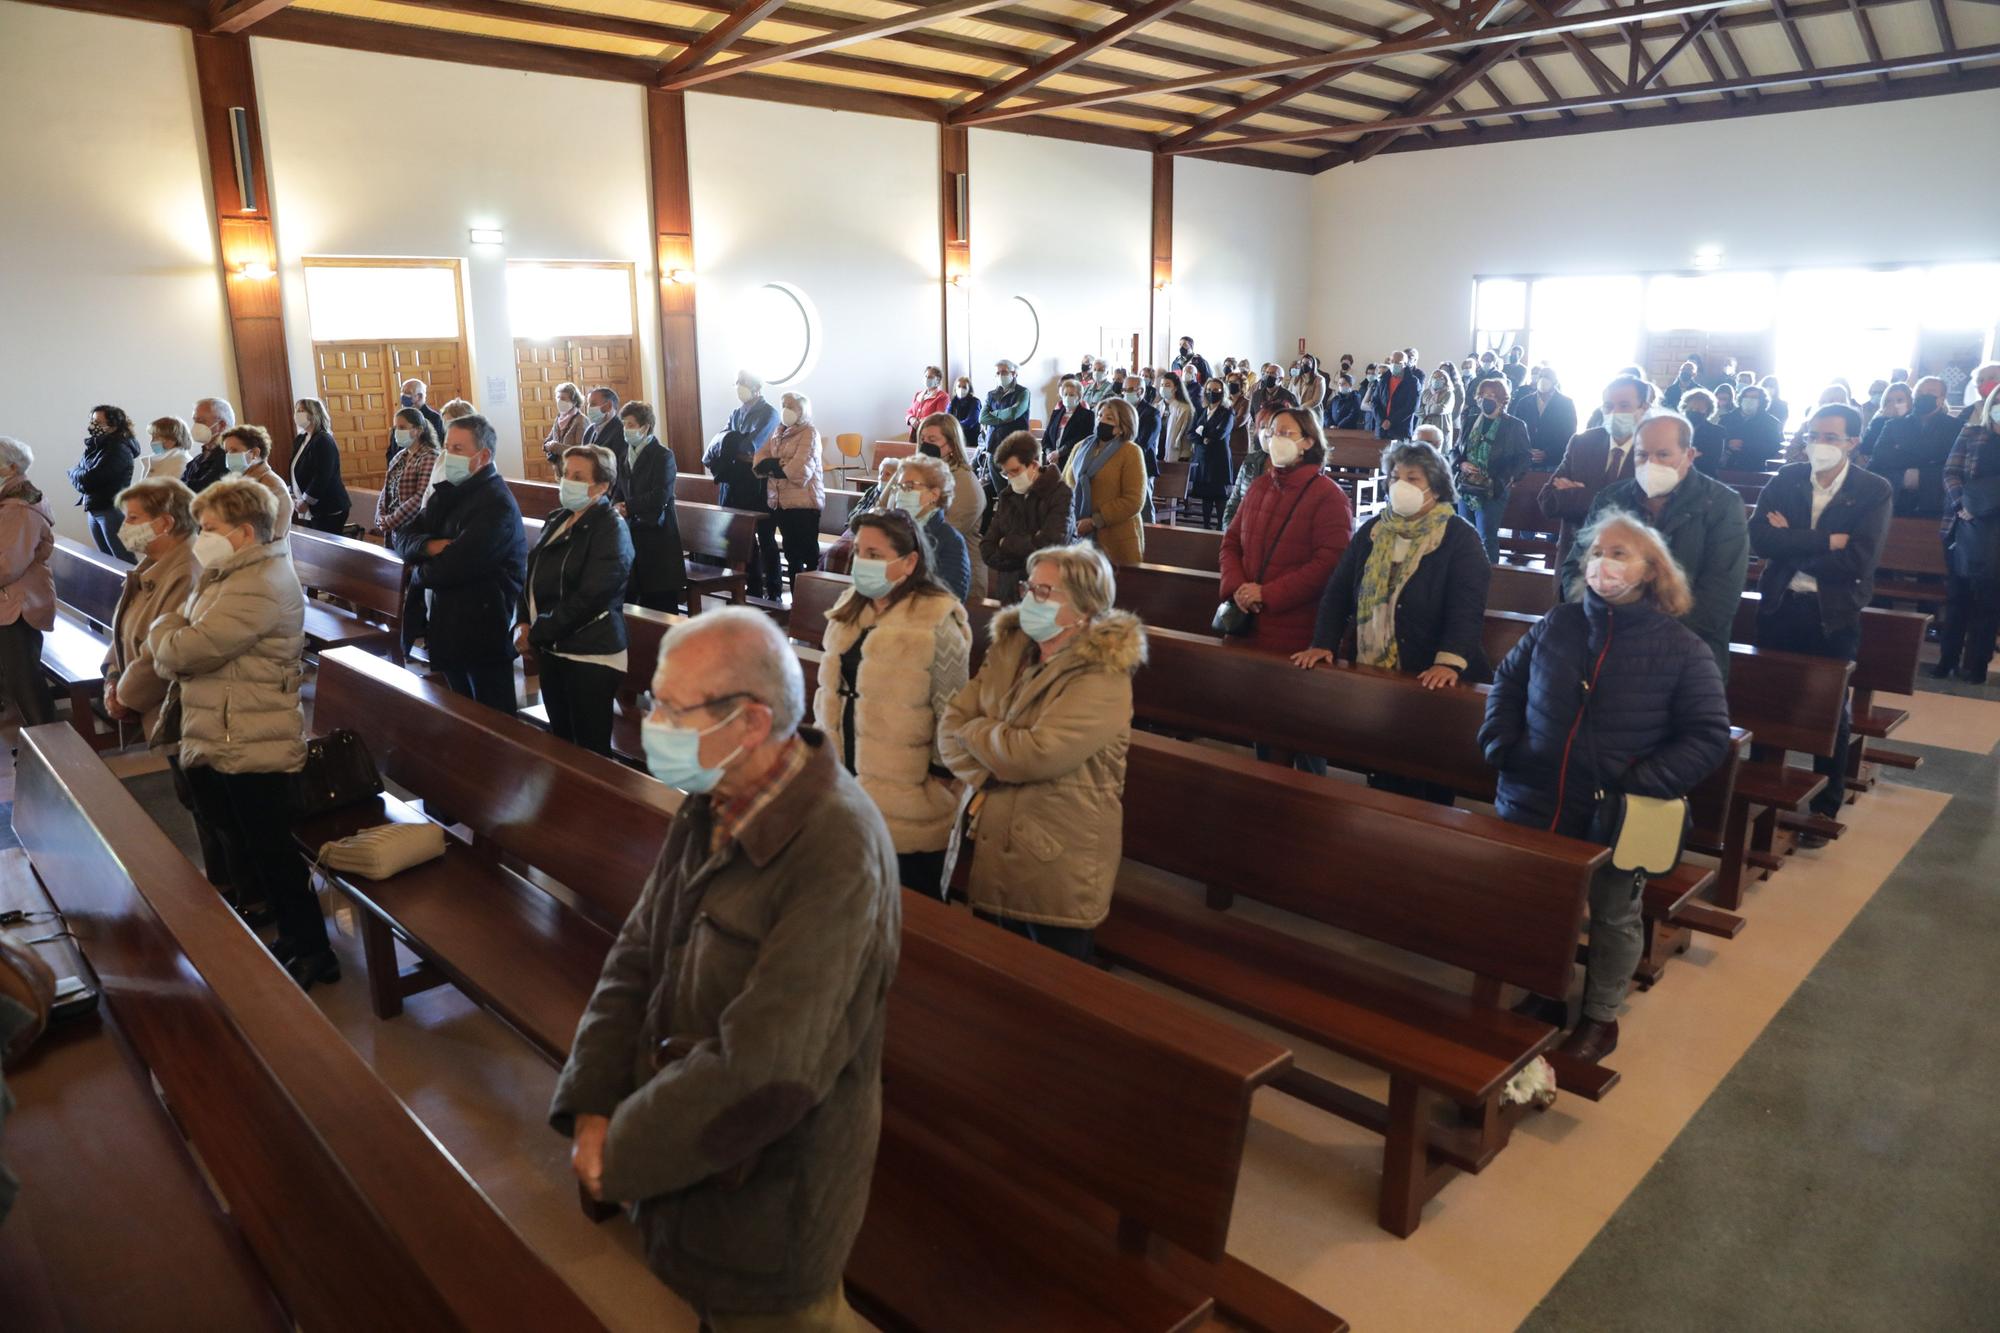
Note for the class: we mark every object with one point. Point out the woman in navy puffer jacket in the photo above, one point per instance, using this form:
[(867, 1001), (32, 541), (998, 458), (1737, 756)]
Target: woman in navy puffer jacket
[(1657, 724)]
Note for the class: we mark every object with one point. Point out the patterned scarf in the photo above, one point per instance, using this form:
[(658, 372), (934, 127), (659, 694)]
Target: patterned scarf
[(1400, 544)]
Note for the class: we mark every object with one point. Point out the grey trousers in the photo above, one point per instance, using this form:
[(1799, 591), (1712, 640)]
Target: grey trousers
[(1617, 938)]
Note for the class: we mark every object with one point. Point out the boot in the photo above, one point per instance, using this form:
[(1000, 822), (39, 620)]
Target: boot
[(1591, 1041)]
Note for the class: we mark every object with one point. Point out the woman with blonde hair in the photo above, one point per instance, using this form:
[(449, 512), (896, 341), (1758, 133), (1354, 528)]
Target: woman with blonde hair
[(323, 504), (939, 437), (790, 465), (235, 657), (565, 432), (897, 645), (1608, 693), (173, 448), (1039, 737), (1106, 477), (246, 453)]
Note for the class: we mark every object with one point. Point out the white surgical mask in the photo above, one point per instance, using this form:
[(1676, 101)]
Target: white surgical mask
[(790, 416), (202, 434), (1284, 450), (744, 393), (1021, 481), (1656, 479), (137, 536), (964, 390), (211, 549), (1071, 399), (1825, 457), (1406, 497), (574, 494), (1621, 424), (405, 437), (1609, 579), (302, 421)]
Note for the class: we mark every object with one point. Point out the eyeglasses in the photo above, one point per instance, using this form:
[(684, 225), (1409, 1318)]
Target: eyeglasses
[(1042, 592), (652, 706), (1826, 437)]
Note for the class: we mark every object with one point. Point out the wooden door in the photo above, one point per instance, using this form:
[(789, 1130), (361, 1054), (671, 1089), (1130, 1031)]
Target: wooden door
[(540, 364), (359, 390)]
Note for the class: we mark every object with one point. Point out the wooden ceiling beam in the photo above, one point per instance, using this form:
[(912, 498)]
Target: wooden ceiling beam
[(827, 42), (1068, 58), (717, 39), (1793, 38), (1942, 21), (1692, 34), (225, 16), (1508, 39), (1548, 89), (1622, 97)]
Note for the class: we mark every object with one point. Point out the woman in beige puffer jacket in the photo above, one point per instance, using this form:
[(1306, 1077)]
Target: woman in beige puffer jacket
[(896, 652), (235, 657), (1039, 737)]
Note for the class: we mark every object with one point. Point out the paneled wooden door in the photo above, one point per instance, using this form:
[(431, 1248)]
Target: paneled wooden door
[(360, 383), (540, 364)]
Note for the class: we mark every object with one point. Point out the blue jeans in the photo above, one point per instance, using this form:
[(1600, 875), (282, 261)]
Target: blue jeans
[(104, 525), (1304, 763), (1485, 516)]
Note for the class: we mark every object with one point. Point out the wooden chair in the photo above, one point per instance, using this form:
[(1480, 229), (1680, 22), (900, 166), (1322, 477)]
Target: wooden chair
[(849, 447)]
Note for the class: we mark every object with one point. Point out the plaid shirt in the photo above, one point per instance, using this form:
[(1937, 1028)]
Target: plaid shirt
[(403, 489), (736, 812)]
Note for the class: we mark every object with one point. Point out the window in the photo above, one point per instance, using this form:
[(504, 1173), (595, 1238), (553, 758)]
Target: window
[(1960, 296), (1586, 327), (395, 299), (1852, 324), (1712, 302), (1500, 314), (558, 300), (1020, 330), (777, 333)]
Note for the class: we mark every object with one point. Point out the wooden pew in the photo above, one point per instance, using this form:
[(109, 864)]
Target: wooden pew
[(816, 592), (698, 487), (537, 499), (719, 544), (1170, 490), (1521, 588), (890, 449), (990, 1036), (1170, 597), (361, 515), (356, 1216), (1912, 568), (1184, 548), (1528, 535), (1354, 461), (367, 578), (87, 585), (1502, 902), (1370, 721)]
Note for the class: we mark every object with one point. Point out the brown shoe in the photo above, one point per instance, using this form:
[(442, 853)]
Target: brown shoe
[(1591, 1041), (26, 980)]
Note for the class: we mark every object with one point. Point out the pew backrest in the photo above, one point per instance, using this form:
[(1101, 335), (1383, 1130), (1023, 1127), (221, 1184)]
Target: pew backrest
[(815, 592), (532, 796), (1184, 548), (729, 535), (368, 576), (1521, 588), (359, 1217), (1169, 596), (87, 582), (534, 497)]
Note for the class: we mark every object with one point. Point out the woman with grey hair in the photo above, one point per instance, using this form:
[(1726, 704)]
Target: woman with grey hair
[(789, 463), (27, 589), (1039, 737), (924, 490)]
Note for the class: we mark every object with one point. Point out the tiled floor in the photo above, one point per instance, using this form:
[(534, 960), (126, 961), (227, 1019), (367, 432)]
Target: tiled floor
[(1490, 1247)]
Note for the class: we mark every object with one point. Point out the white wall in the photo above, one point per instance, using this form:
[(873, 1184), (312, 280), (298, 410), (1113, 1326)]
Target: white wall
[(1242, 237), (108, 270), (843, 207), (1398, 240), (559, 164), (1068, 225)]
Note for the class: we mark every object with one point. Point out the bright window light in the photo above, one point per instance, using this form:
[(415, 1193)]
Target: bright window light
[(566, 301), (375, 303), (777, 333), (1502, 304), (1587, 327), (1715, 302), (1852, 324), (1960, 296)]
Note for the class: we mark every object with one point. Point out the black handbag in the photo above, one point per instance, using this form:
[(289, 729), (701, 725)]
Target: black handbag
[(338, 772), (1231, 620)]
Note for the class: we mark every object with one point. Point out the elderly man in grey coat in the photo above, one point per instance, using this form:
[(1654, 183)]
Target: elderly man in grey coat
[(726, 1080)]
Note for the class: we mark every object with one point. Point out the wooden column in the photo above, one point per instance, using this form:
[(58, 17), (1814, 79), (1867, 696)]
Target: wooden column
[(243, 227), (673, 229), (1160, 298), (954, 250)]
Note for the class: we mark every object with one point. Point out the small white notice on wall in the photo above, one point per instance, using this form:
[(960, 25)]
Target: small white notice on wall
[(496, 390)]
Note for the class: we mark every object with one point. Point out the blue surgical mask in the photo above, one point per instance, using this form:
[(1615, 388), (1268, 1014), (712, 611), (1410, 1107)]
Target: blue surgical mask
[(1038, 620), (634, 437), (457, 467), (574, 494), (237, 463), (596, 415), (673, 755), (871, 578), (409, 400)]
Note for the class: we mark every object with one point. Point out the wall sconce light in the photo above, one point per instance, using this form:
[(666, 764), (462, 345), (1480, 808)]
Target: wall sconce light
[(680, 277), (256, 271), (488, 236), (1163, 287), (957, 280)]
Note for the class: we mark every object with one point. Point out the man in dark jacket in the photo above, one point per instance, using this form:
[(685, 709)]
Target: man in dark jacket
[(1911, 453), (659, 566), (1033, 511), (1071, 422), (1396, 395), (726, 1079), (1595, 459), (1820, 527), (468, 559), (1550, 416), (607, 431), (104, 470), (1756, 438), (1189, 357), (1701, 519), (1343, 406)]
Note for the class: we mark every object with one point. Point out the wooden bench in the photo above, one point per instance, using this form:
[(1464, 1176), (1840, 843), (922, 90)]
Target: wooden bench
[(361, 514), (1184, 548), (719, 544), (978, 1041), (890, 449), (1502, 902), (356, 1216), (1527, 535), (1170, 597), (1912, 567), (1521, 588), (1370, 721), (1354, 461), (88, 584), (366, 580)]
